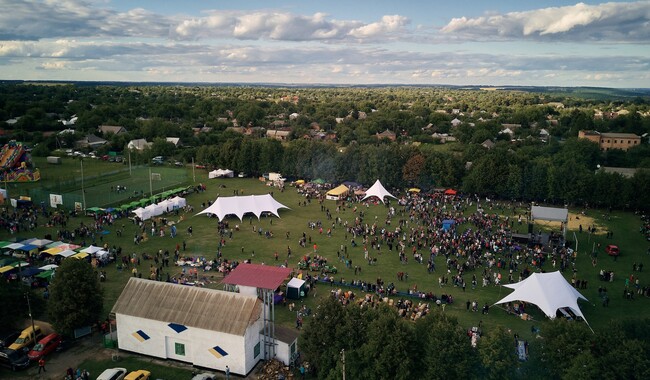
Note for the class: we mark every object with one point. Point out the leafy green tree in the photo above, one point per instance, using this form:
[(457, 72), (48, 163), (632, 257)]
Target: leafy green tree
[(562, 341), (13, 295), (388, 350), (497, 352), (76, 297), (446, 352)]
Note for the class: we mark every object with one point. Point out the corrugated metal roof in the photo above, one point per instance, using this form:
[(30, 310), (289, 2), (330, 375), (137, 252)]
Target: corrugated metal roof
[(191, 306), (258, 276)]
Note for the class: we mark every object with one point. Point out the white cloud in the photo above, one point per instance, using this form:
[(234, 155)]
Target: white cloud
[(614, 22), (33, 20), (387, 25)]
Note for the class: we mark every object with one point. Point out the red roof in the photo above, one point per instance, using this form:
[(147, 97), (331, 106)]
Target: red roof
[(259, 276)]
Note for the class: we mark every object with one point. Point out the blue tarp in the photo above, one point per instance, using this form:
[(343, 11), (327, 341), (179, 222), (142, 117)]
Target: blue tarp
[(447, 224), (28, 248), (29, 272)]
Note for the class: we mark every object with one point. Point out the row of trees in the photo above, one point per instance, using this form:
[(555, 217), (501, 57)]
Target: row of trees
[(553, 172), (380, 345)]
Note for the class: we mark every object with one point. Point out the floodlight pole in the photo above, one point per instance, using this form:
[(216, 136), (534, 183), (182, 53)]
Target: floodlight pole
[(193, 173), (129, 162), (150, 185), (343, 361), (83, 191)]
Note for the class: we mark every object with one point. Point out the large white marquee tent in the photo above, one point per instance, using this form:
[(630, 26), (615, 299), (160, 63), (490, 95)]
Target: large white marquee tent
[(549, 291), (240, 205), (378, 190)]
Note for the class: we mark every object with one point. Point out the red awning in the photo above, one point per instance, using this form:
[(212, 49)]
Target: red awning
[(450, 192), (258, 276)]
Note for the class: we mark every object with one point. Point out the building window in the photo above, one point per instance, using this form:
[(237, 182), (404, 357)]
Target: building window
[(179, 348), (256, 351), (293, 348)]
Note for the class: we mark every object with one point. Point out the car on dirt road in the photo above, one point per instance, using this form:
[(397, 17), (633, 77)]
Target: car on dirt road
[(14, 360), (612, 250), (8, 337), (112, 374), (140, 374), (45, 346)]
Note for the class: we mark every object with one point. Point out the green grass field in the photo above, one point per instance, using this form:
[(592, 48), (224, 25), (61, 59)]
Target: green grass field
[(101, 178), (248, 244)]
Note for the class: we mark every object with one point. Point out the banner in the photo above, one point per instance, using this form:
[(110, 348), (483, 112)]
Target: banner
[(78, 206), (56, 199)]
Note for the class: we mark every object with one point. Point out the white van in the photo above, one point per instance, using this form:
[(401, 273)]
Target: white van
[(112, 374)]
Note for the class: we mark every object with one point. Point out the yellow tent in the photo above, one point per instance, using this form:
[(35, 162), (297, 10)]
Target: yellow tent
[(80, 255), (6, 269), (338, 192), (414, 190), (300, 182), (53, 251)]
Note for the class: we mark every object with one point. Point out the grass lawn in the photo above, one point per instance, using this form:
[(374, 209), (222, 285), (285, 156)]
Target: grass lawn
[(248, 244)]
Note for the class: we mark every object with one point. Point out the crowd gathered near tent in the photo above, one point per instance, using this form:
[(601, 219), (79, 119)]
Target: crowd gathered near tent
[(418, 227)]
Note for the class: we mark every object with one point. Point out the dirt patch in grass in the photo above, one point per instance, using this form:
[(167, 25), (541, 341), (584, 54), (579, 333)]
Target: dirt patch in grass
[(575, 221)]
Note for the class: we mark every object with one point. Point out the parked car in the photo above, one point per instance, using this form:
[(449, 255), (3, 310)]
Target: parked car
[(178, 163), (140, 374), (612, 250), (8, 337), (14, 360), (112, 374), (45, 346), (158, 160), (28, 337)]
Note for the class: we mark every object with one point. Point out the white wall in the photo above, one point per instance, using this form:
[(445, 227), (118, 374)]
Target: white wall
[(283, 351), (198, 343)]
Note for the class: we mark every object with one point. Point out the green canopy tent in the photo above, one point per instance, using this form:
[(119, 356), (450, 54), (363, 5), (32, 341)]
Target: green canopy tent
[(319, 181), (134, 204), (143, 202), (96, 210), (47, 275)]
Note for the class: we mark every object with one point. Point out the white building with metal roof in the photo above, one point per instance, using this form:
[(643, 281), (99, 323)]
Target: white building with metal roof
[(208, 328)]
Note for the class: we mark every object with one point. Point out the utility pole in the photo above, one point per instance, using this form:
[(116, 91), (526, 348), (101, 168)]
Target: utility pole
[(29, 308), (343, 361), (150, 185)]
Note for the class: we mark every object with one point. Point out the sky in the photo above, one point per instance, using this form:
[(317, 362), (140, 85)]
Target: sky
[(474, 42)]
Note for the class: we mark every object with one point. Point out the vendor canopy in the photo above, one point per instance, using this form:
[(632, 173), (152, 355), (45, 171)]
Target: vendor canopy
[(377, 190), (338, 191), (240, 205), (549, 291), (549, 213)]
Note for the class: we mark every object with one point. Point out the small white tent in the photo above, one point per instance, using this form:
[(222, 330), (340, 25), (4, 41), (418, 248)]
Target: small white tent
[(240, 205), (221, 173), (549, 291), (378, 190), (178, 202)]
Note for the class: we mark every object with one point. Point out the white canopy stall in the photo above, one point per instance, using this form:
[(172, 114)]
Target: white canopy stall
[(240, 205), (548, 291), (377, 190)]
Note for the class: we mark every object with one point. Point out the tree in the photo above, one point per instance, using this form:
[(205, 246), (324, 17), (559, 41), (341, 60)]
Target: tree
[(13, 294), (497, 353), (76, 297), (413, 168), (446, 352)]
